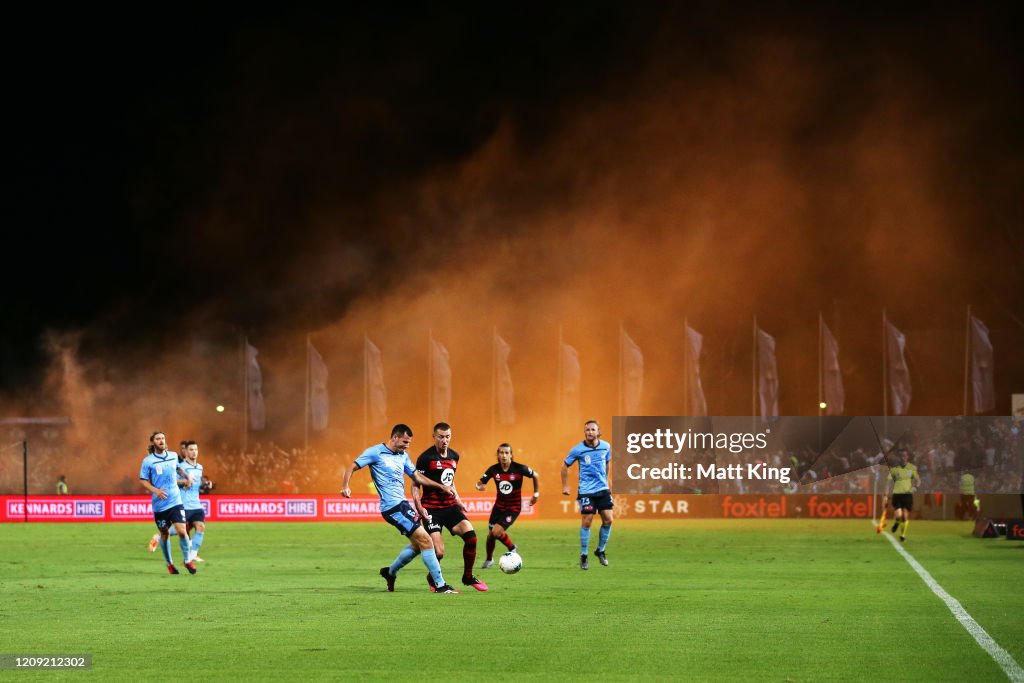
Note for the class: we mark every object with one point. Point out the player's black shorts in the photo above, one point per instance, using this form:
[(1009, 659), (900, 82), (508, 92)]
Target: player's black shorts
[(172, 515), (903, 500), (505, 518), (595, 502), (193, 516), (445, 518), (403, 517)]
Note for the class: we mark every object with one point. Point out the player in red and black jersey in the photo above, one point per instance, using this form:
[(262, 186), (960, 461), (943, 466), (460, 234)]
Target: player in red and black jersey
[(442, 510), (508, 476)]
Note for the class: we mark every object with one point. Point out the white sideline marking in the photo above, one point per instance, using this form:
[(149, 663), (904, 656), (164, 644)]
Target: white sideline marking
[(1003, 658)]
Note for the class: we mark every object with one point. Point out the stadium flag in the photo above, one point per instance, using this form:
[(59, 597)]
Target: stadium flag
[(318, 405), (982, 380), (506, 397), (441, 384), (697, 404), (832, 378), (376, 398), (899, 373), (767, 375), (632, 379), (569, 392), (254, 389)]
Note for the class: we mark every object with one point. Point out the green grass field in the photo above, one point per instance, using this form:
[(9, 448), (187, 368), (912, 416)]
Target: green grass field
[(720, 600)]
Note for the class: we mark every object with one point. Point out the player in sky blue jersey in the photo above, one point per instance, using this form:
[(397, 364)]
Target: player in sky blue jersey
[(159, 476), (592, 456), (389, 463), (155, 541), (190, 478)]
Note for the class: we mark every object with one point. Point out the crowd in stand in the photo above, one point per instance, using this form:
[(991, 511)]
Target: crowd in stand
[(991, 450)]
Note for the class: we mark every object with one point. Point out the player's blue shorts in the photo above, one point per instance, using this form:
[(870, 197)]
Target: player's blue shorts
[(172, 515), (193, 516), (403, 517), (595, 502)]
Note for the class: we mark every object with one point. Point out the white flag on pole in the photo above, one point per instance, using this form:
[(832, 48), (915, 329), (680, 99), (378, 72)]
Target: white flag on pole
[(254, 380), (318, 401), (768, 376), (377, 393), (506, 401), (698, 404)]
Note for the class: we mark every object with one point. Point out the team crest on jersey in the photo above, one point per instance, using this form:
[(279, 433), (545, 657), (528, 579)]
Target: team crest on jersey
[(159, 469), (586, 459)]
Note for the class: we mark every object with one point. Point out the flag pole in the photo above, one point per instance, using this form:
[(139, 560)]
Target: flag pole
[(885, 366), (967, 355), (245, 393), (558, 385), (430, 376), (494, 379), (821, 353), (821, 378), (686, 365), (753, 375), (366, 385), (24, 477), (305, 439), (622, 351)]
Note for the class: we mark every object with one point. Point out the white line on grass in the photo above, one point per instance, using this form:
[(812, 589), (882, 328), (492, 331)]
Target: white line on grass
[(1003, 658)]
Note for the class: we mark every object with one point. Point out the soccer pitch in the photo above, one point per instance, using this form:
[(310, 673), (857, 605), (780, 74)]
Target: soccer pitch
[(709, 599)]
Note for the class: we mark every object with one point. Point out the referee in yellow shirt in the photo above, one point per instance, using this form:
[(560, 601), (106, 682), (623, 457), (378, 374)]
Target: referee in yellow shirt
[(904, 480)]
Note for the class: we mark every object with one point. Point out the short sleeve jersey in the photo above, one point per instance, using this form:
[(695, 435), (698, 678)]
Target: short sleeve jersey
[(439, 468), (387, 468), (593, 463), (903, 477), (162, 472), (190, 495), (509, 483)]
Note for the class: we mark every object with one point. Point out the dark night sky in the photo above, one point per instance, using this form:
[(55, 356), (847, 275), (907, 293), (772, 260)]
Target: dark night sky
[(163, 162), (131, 132)]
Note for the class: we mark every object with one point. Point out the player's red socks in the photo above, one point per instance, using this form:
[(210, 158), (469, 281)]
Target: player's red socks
[(469, 553), (506, 540), (490, 547)]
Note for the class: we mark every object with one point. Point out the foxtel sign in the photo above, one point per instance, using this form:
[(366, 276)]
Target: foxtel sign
[(750, 506), (818, 507)]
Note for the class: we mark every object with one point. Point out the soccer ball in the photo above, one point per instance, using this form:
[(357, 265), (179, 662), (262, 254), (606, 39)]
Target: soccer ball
[(510, 563)]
